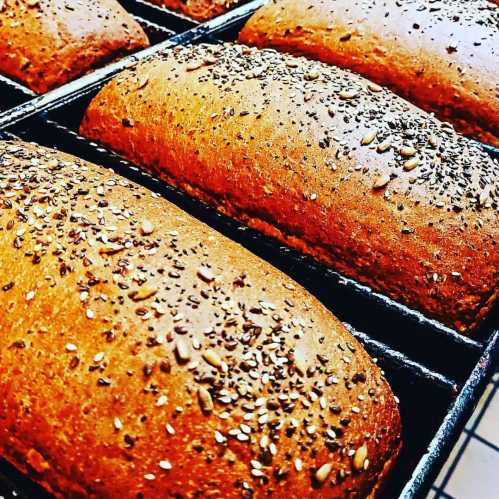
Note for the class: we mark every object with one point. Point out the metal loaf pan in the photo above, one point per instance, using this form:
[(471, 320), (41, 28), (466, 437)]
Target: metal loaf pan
[(159, 23), (158, 26), (437, 374)]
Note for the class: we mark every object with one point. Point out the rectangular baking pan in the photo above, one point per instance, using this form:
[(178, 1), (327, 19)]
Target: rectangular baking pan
[(437, 374), (436, 397), (156, 13), (159, 23), (159, 15), (13, 93)]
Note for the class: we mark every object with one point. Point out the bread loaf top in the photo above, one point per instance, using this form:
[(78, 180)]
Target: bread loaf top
[(441, 55), (200, 10), (46, 43), (322, 159), (142, 354)]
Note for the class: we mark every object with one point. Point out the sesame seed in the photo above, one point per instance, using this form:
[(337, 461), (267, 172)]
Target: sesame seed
[(348, 94), (256, 464), (165, 465), (407, 151), (373, 87), (142, 293), (410, 164), (162, 401), (312, 75), (219, 437), (99, 357), (384, 146), (300, 364), (71, 347), (257, 473), (264, 441), (368, 138)]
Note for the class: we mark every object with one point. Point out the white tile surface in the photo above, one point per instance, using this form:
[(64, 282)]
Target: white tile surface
[(450, 460), (478, 410), (488, 428), (476, 475)]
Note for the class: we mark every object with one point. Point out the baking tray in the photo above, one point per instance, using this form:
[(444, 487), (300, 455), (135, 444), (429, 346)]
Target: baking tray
[(159, 23), (159, 15), (157, 28), (437, 396), (161, 19), (156, 12)]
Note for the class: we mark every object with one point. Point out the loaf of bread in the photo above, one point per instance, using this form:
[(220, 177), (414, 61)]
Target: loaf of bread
[(200, 10), (143, 354), (323, 160), (45, 43), (441, 55)]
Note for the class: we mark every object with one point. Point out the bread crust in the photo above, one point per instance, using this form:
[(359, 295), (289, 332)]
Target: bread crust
[(133, 337), (281, 143), (200, 10), (46, 43), (443, 57)]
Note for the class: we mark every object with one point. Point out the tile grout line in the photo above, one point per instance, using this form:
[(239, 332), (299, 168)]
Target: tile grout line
[(483, 441)]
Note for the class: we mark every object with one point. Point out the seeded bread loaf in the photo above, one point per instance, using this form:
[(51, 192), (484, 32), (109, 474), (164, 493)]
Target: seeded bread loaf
[(200, 10), (322, 159), (143, 354), (441, 55), (45, 43)]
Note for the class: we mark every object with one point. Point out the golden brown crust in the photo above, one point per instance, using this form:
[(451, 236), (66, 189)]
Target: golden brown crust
[(122, 318), (200, 10), (276, 141), (46, 43), (442, 56)]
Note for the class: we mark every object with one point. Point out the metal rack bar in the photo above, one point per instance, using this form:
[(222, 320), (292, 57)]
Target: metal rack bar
[(427, 469)]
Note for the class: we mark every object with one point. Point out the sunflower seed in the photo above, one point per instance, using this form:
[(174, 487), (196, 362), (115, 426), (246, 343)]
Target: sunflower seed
[(369, 137), (407, 151), (142, 293), (147, 228), (381, 180), (183, 350), (205, 400), (323, 472), (212, 358), (411, 164), (359, 458)]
